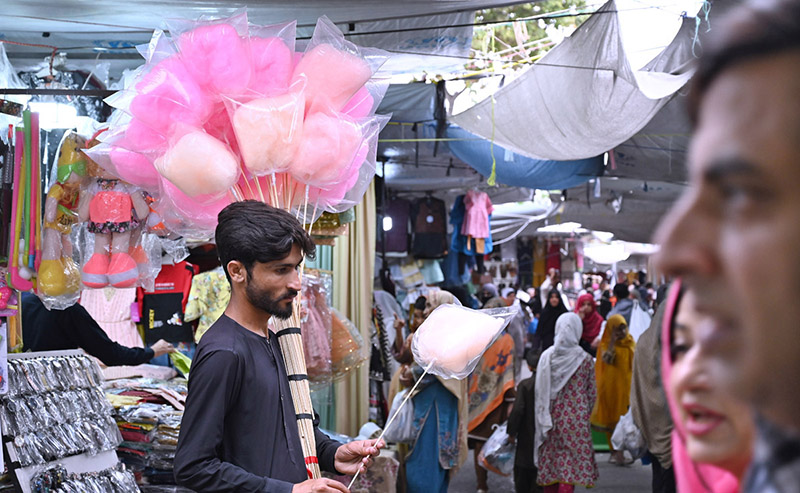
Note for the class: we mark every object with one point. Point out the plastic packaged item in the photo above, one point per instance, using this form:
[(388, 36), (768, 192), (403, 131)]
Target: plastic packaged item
[(627, 436), (334, 69), (497, 454), (316, 330), (451, 341), (58, 274), (402, 429), (181, 362), (348, 350)]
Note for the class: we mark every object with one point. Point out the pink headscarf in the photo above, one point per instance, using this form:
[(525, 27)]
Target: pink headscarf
[(592, 321), (690, 476)]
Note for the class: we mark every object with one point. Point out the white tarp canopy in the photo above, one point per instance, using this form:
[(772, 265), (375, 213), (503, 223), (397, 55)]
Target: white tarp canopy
[(582, 98)]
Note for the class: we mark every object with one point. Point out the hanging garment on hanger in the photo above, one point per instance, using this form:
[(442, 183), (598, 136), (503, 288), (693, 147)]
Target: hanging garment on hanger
[(111, 309), (208, 299), (163, 308), (429, 220), (396, 237), (476, 219)]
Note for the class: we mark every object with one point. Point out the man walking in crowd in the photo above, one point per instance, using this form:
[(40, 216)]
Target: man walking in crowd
[(740, 222), (239, 431)]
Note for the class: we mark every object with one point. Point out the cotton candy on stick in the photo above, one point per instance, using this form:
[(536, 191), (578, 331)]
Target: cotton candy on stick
[(328, 146), (216, 57), (272, 63), (199, 165), (332, 76), (453, 338), (269, 132)]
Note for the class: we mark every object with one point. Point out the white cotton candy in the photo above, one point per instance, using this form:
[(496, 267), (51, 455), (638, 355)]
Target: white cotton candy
[(453, 338)]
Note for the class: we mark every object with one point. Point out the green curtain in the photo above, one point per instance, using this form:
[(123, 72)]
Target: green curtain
[(353, 272)]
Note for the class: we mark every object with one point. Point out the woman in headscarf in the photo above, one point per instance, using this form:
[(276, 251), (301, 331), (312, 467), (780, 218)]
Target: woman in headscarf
[(586, 308), (440, 415), (713, 433), (613, 370), (545, 332), (565, 395)]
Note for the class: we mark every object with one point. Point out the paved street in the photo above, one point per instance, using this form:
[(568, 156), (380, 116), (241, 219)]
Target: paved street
[(634, 478)]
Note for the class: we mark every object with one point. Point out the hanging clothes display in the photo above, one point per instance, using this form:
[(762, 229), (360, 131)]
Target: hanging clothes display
[(478, 207), (163, 308), (539, 261), (465, 245), (208, 299), (553, 255), (112, 308), (316, 329), (525, 261), (396, 237), (429, 221)]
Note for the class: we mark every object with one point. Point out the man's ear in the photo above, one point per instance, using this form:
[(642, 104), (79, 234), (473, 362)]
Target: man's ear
[(237, 271)]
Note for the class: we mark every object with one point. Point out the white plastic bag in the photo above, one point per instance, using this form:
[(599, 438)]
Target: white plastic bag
[(497, 454), (627, 436), (640, 321), (401, 430)]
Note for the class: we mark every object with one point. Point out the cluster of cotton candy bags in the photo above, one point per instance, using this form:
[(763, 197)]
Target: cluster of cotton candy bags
[(223, 110)]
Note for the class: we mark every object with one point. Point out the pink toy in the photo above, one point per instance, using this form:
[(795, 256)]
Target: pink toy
[(273, 63), (269, 132), (113, 210), (452, 340), (216, 57), (167, 95), (199, 164), (328, 146), (332, 76)]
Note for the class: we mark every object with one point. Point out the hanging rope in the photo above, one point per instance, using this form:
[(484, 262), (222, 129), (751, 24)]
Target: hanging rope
[(704, 10)]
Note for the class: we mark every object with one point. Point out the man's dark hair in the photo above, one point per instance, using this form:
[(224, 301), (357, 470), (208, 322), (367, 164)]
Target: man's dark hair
[(532, 358), (252, 231), (756, 29), (419, 303), (621, 290)]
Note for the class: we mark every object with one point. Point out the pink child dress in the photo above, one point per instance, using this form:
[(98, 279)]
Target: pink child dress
[(476, 219)]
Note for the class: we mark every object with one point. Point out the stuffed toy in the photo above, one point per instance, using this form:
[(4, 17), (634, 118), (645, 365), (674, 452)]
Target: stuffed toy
[(113, 210), (58, 273)]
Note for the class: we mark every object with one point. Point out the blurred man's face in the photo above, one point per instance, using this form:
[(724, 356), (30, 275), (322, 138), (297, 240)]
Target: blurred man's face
[(734, 236)]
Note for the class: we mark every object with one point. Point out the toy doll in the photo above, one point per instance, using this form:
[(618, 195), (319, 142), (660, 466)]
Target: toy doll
[(113, 209), (58, 273)]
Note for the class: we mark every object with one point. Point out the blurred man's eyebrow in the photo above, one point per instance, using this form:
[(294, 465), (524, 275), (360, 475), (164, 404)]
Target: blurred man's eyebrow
[(722, 169)]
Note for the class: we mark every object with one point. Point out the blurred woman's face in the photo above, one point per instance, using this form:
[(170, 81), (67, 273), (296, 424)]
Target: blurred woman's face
[(553, 300), (586, 306), (416, 321), (719, 428)]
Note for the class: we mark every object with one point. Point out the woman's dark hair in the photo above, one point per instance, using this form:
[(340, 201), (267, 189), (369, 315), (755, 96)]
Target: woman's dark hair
[(252, 231), (756, 29)]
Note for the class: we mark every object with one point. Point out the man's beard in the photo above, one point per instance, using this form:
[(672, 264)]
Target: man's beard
[(263, 301)]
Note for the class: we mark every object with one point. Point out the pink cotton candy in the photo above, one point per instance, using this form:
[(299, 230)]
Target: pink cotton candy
[(328, 146), (167, 95), (220, 127), (269, 132), (141, 138), (199, 165), (273, 63), (335, 194), (453, 338), (185, 215), (360, 105), (332, 76), (217, 57), (134, 168)]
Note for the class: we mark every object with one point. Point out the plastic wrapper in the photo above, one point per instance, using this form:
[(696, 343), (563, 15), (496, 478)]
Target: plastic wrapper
[(497, 454), (181, 362), (56, 479), (334, 69), (451, 341), (113, 249), (348, 350), (58, 273), (316, 330), (268, 129), (402, 429), (220, 111), (627, 436)]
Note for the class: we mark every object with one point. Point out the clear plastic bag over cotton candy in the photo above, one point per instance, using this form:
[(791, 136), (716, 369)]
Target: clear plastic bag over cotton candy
[(451, 341), (223, 110)]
